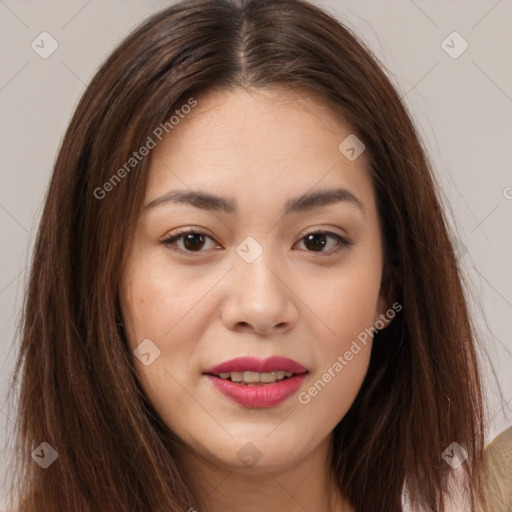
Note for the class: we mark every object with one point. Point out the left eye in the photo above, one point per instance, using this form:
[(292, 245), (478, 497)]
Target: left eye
[(194, 241), (317, 241)]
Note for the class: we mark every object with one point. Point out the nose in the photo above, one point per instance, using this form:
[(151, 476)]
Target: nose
[(259, 299)]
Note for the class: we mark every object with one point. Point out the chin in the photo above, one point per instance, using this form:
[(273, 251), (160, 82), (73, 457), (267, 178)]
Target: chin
[(258, 454)]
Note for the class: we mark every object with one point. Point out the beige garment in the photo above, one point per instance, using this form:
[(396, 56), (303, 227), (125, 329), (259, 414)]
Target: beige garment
[(498, 480), (498, 463)]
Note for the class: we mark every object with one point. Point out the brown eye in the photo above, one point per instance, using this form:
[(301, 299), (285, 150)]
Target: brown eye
[(191, 241), (318, 240)]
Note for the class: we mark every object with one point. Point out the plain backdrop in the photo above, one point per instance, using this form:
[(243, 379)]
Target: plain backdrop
[(461, 104)]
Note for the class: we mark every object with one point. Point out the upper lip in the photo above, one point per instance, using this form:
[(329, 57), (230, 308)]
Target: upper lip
[(252, 364)]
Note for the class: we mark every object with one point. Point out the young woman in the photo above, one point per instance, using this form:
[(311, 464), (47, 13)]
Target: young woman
[(243, 294)]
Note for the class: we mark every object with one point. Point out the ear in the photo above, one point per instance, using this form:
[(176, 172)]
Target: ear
[(387, 305), (384, 313), (382, 306)]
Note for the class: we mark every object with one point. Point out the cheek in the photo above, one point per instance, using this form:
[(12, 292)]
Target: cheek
[(156, 302), (166, 306), (347, 304), (155, 306), (342, 361)]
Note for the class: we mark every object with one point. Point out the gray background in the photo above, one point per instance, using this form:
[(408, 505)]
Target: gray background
[(462, 108)]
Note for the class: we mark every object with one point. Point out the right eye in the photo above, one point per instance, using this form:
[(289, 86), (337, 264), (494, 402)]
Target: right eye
[(188, 241)]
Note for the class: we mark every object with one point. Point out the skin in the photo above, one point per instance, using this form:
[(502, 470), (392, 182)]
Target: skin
[(259, 148)]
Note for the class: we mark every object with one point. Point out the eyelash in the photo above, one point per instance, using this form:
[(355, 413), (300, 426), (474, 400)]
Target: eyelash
[(170, 242)]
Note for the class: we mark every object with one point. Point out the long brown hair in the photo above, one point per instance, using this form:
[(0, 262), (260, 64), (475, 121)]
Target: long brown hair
[(77, 389)]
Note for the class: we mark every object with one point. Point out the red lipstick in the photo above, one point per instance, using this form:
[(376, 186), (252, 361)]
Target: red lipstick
[(251, 364), (259, 394)]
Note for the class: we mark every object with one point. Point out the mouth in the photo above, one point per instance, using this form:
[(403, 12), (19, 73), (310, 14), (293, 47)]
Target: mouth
[(255, 383)]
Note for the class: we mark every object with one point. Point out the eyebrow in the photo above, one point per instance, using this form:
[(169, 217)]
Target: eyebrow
[(211, 202)]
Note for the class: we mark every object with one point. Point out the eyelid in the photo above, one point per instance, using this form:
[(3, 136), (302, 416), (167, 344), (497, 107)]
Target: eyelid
[(323, 230)]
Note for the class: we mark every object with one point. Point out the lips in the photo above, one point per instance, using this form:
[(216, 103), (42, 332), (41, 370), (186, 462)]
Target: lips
[(257, 383), (251, 364)]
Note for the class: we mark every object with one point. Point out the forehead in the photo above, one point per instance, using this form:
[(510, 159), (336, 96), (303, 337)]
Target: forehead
[(268, 143)]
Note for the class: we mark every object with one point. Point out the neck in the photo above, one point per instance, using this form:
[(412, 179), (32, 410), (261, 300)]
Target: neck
[(305, 484)]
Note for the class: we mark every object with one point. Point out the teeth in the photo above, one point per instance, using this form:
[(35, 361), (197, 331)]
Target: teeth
[(251, 377), (237, 376), (267, 377), (255, 377)]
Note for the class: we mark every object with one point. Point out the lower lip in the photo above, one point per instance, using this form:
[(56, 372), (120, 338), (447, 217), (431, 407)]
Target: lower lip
[(259, 396)]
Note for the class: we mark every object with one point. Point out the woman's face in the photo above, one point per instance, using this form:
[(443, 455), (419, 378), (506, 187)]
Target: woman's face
[(253, 176)]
